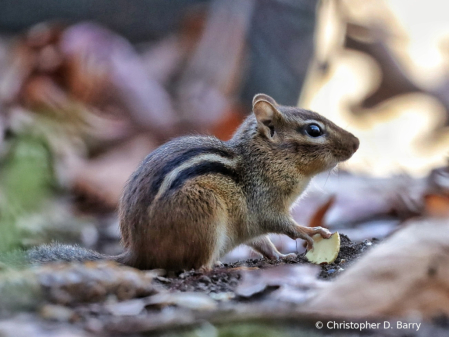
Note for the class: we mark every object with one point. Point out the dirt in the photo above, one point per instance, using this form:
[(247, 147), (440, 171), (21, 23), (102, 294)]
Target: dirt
[(228, 313), (218, 298), (226, 278)]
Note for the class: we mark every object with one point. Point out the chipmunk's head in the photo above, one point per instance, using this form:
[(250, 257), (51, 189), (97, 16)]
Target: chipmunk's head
[(300, 137)]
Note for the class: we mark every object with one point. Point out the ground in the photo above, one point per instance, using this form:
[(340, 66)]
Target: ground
[(256, 297), (226, 278)]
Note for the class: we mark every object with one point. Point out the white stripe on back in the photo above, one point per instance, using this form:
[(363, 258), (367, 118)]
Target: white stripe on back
[(171, 176)]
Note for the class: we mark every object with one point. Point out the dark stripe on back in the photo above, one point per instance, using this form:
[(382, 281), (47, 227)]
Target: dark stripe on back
[(181, 158), (206, 167)]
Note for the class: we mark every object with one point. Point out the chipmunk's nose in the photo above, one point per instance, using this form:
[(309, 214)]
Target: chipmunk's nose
[(355, 144)]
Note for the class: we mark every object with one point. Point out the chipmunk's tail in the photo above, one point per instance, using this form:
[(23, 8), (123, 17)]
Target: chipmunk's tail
[(65, 253)]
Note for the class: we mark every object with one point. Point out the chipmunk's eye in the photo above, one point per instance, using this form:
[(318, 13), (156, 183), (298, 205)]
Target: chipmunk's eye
[(313, 130)]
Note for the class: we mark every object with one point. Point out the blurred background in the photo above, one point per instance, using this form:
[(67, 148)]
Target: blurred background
[(88, 89)]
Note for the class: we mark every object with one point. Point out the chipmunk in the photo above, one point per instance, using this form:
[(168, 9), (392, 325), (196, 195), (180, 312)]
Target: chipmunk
[(195, 198)]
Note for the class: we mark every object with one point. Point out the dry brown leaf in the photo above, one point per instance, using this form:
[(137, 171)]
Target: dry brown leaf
[(73, 283), (317, 218), (189, 300), (213, 73), (104, 70), (102, 179), (437, 205), (256, 281), (54, 67)]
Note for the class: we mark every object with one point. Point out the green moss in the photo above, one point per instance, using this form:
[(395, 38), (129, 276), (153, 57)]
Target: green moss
[(265, 330), (19, 290), (26, 182)]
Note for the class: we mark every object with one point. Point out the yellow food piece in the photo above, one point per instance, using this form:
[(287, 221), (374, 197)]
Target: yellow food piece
[(324, 250)]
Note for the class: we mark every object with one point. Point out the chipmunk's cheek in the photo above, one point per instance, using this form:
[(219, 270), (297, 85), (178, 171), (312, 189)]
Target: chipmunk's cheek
[(332, 162), (324, 164)]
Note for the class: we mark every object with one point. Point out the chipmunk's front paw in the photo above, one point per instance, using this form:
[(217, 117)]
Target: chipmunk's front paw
[(311, 231), (324, 232)]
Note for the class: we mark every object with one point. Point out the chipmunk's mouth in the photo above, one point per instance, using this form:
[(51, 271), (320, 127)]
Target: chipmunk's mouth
[(345, 152), (343, 156)]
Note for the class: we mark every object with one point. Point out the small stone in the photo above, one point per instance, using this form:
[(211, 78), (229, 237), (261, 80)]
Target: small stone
[(183, 275), (57, 313), (204, 279), (201, 286), (94, 325), (223, 296), (126, 308)]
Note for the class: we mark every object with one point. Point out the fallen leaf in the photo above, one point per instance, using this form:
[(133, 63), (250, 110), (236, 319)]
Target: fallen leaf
[(317, 219), (257, 281), (57, 313), (103, 178), (189, 300), (437, 205), (126, 308)]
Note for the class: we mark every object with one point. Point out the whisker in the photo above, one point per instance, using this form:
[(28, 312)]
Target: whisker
[(327, 178)]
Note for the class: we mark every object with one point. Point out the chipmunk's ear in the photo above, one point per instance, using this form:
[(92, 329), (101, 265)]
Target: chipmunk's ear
[(267, 115), (264, 97)]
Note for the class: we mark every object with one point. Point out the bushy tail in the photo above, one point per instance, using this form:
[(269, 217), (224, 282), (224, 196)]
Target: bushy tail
[(66, 253)]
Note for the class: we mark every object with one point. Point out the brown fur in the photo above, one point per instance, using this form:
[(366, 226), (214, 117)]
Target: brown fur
[(238, 198)]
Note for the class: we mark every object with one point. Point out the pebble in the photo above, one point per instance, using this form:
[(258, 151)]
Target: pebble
[(57, 313), (204, 279)]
